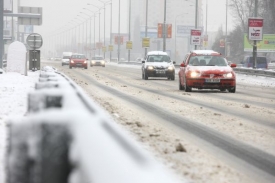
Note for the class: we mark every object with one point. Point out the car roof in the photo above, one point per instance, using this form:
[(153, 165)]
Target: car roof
[(202, 52), (156, 53)]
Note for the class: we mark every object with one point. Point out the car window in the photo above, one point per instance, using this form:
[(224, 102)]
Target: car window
[(260, 60), (97, 58), (207, 60), (158, 58), (78, 56), (185, 59), (66, 57)]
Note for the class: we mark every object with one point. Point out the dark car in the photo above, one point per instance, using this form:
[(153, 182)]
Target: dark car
[(78, 60), (261, 62), (206, 69)]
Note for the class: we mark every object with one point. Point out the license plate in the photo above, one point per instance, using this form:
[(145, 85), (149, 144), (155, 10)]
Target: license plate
[(212, 80), (160, 71)]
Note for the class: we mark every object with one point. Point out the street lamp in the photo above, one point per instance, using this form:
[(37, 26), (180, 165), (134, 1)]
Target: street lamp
[(104, 2), (98, 23), (94, 29), (75, 19), (146, 25), (83, 37), (87, 29)]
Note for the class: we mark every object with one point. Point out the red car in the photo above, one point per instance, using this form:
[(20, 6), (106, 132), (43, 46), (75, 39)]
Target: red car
[(78, 60), (206, 69)]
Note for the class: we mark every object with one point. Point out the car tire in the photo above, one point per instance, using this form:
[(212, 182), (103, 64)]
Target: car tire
[(180, 86), (70, 67), (187, 88), (232, 90), (222, 90), (145, 76), (86, 67), (172, 77)]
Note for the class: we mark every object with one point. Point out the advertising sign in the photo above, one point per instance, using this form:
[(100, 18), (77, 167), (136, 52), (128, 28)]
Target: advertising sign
[(167, 29), (146, 42), (255, 29), (195, 37), (111, 47), (266, 45), (129, 45)]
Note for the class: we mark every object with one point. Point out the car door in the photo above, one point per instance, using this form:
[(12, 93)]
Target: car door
[(182, 69)]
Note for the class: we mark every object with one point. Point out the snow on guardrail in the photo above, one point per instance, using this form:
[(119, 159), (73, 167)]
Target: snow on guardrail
[(65, 137)]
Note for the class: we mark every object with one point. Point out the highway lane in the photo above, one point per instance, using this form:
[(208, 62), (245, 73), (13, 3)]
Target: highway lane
[(234, 133)]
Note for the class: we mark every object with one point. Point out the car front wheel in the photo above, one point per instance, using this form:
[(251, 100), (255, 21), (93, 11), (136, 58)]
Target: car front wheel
[(187, 88), (232, 90)]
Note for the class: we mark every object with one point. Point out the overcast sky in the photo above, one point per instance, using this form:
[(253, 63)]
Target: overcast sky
[(58, 14)]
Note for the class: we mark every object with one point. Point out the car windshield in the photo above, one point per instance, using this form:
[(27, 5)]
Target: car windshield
[(158, 58), (78, 56), (66, 57), (207, 60), (97, 58)]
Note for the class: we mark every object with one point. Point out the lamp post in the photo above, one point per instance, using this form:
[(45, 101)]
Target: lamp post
[(87, 29), (78, 34), (196, 19), (164, 24), (83, 36), (111, 29), (118, 51), (225, 41), (104, 2), (98, 23), (146, 25), (129, 34), (94, 28)]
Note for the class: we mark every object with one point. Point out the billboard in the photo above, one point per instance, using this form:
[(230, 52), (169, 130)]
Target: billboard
[(152, 32), (255, 29), (195, 37), (265, 45)]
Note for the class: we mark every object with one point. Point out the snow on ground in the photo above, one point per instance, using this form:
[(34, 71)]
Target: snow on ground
[(14, 88)]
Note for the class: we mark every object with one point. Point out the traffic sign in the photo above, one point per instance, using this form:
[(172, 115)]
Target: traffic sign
[(129, 45), (111, 47), (255, 29), (34, 41), (160, 30), (167, 29), (195, 37), (145, 42)]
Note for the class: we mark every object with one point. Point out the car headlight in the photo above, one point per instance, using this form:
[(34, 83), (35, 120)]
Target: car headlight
[(93, 62), (150, 67), (194, 74), (102, 62), (72, 61), (85, 62), (170, 68), (228, 75)]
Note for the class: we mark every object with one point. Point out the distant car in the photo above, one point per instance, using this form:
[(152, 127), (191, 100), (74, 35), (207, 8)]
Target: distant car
[(97, 61), (78, 60), (206, 69), (271, 65), (158, 64), (66, 58), (261, 62)]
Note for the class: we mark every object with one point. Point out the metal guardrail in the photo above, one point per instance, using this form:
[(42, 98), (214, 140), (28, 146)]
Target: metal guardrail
[(258, 72), (65, 135)]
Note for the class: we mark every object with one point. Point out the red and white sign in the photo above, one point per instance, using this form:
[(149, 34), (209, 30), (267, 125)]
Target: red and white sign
[(255, 29), (195, 37)]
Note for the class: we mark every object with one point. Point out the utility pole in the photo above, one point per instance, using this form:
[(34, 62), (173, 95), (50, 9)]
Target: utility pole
[(196, 19), (255, 42), (225, 40), (1, 33), (129, 34), (146, 24), (165, 28)]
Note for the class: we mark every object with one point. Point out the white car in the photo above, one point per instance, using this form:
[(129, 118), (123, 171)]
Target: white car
[(158, 64), (97, 61), (271, 65)]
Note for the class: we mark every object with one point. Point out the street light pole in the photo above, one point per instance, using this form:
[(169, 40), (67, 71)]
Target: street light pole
[(118, 51), (196, 19), (129, 34), (111, 28), (164, 24), (225, 41), (146, 24)]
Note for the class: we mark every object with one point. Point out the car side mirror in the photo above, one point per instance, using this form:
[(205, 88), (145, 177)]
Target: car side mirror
[(174, 62), (233, 65), (182, 65), (143, 61)]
